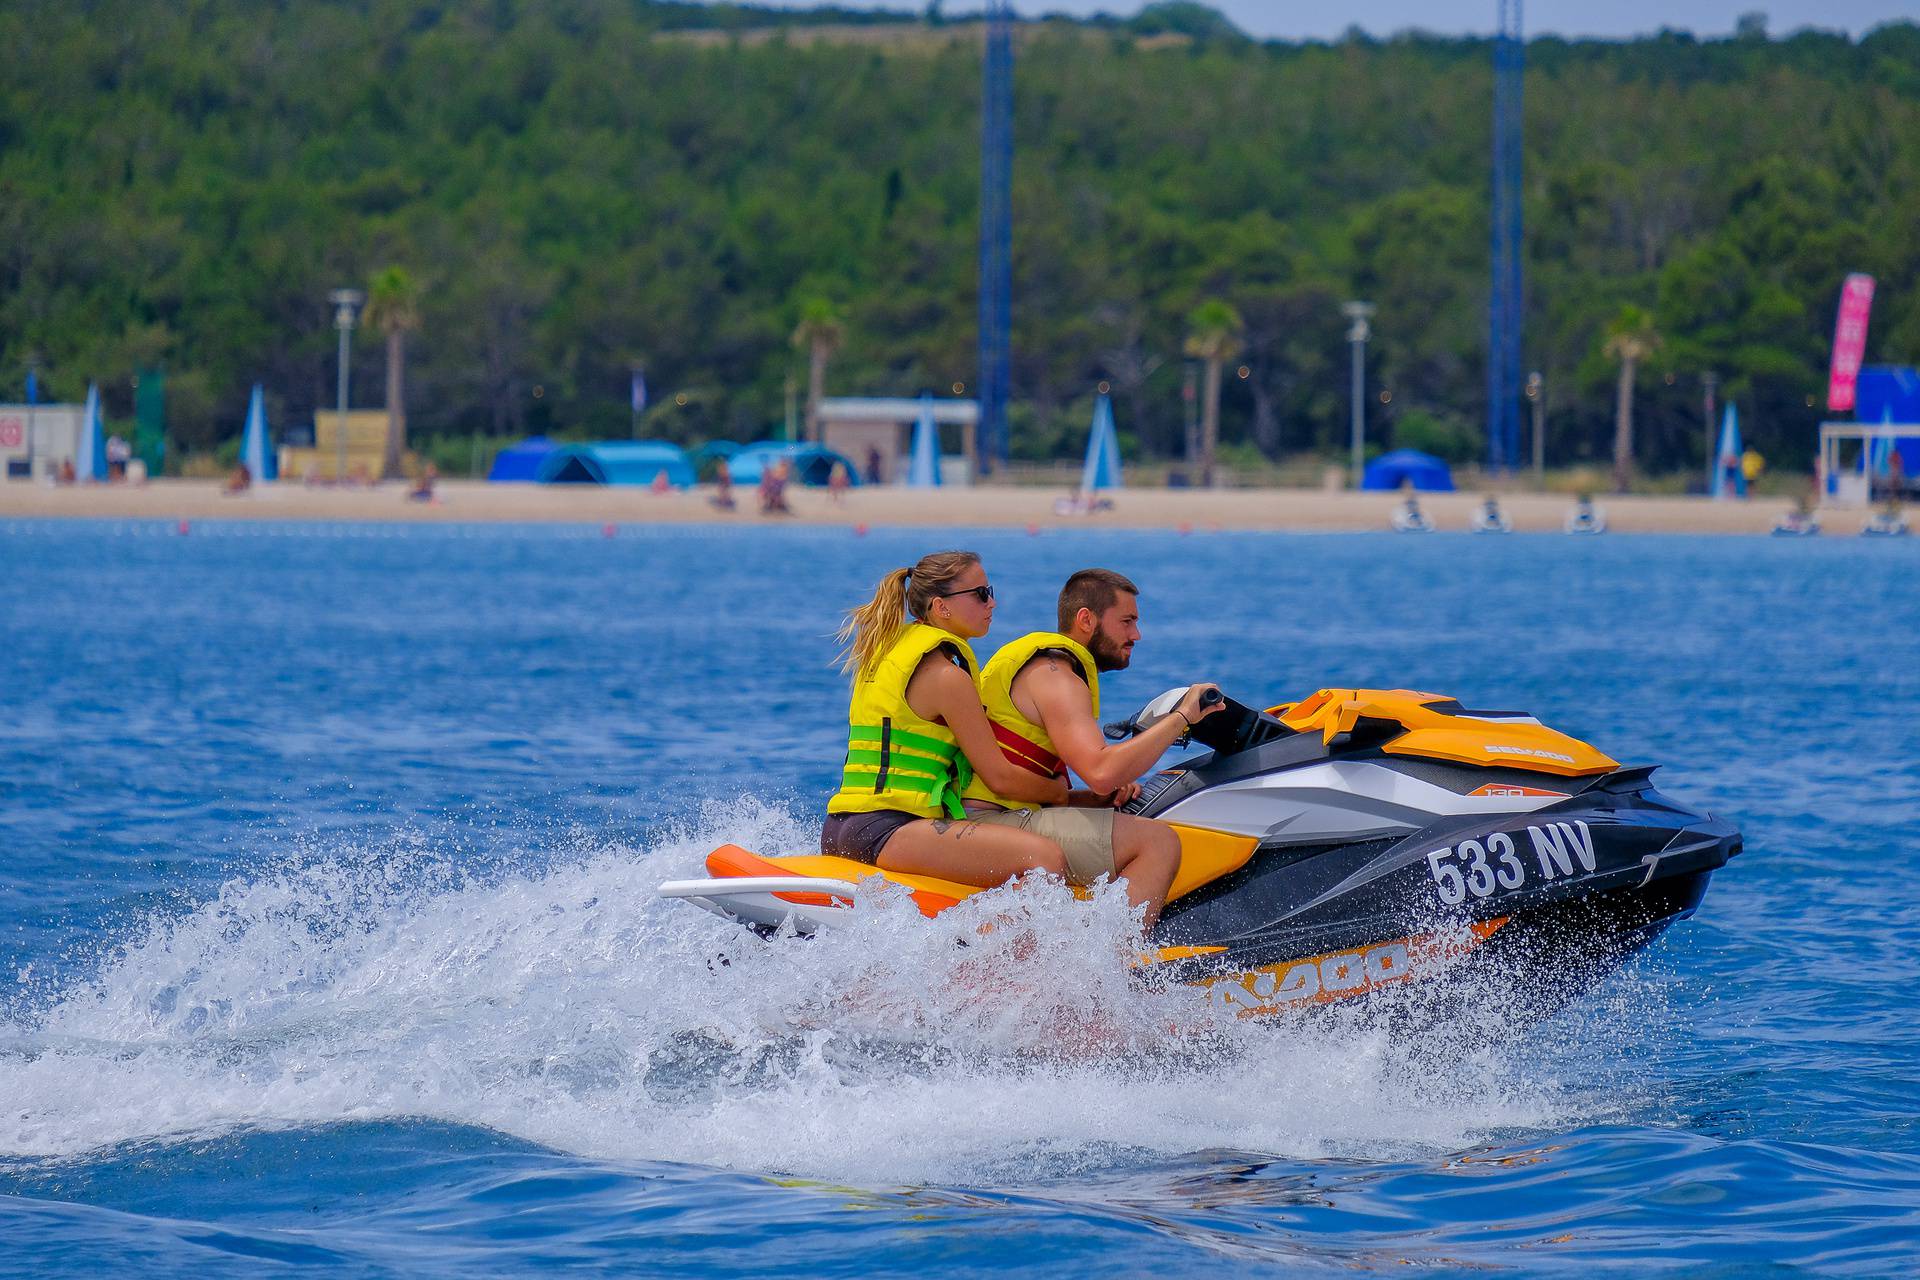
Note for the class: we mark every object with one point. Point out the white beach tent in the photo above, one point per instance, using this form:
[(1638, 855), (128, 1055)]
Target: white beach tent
[(90, 451), (256, 451), (1102, 468), (923, 467)]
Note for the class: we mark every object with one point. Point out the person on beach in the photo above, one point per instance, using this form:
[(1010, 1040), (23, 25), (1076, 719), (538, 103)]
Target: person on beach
[(1042, 693), (916, 734), (722, 498), (773, 489)]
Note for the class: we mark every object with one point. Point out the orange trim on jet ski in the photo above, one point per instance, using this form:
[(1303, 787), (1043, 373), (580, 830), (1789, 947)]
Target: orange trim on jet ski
[(1205, 856), (1437, 735), (931, 895), (1340, 975)]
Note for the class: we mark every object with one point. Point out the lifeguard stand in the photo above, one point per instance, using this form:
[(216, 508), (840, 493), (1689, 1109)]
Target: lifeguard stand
[(1878, 455), (1863, 462)]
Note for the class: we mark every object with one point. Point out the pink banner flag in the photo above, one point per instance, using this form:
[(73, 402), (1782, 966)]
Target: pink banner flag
[(1849, 340)]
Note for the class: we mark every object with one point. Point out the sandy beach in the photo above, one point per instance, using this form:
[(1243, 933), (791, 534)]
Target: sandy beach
[(1303, 510)]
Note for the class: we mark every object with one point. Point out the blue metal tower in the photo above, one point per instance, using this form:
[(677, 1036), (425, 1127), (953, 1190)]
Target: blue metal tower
[(996, 234), (1505, 317)]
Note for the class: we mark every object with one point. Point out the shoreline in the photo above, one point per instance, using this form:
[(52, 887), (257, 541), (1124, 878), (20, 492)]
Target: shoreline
[(1278, 510)]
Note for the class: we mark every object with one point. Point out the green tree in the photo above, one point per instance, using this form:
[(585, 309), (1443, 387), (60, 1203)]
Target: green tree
[(393, 307), (819, 334), (1213, 337), (1630, 339)]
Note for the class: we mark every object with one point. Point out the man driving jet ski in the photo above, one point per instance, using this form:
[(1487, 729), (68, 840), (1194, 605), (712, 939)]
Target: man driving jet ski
[(1042, 695)]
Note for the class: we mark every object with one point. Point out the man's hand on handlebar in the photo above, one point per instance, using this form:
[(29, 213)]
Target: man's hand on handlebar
[(1201, 701)]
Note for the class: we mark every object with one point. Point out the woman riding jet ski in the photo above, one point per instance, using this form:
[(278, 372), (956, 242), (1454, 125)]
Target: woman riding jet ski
[(1352, 842)]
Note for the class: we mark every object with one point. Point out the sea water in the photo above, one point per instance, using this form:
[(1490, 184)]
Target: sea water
[(329, 935)]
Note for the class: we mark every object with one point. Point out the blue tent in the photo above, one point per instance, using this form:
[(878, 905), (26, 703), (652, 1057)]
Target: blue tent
[(521, 461), (811, 464), (1407, 466), (1891, 394), (256, 450), (624, 462), (1728, 478), (91, 462), (1102, 468), (923, 465)]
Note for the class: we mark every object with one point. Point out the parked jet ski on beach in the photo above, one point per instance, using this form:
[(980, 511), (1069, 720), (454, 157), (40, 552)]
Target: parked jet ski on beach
[(1355, 841)]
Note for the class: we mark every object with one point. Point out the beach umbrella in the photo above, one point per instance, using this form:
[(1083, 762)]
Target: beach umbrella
[(1729, 480), (255, 449), (1102, 468), (90, 462), (923, 469), (1879, 455)]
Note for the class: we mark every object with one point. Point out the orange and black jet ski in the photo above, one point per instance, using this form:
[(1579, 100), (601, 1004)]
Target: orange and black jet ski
[(1356, 840)]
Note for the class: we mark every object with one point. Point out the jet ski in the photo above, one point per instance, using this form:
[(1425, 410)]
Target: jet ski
[(1353, 842)]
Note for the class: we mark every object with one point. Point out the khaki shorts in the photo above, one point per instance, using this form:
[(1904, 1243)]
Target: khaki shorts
[(1084, 835)]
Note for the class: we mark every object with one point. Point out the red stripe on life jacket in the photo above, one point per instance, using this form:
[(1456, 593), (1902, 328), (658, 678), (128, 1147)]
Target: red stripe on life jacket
[(1028, 755)]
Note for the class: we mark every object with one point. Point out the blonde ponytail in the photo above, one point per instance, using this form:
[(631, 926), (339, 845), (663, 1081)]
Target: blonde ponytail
[(871, 629)]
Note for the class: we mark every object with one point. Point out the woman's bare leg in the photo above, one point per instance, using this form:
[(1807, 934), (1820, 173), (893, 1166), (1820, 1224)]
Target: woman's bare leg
[(978, 853)]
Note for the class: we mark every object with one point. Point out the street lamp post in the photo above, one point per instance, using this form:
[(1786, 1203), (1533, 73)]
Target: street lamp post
[(1710, 383), (1357, 334), (1537, 396), (346, 307)]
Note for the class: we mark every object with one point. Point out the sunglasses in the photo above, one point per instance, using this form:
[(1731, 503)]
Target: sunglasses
[(984, 594)]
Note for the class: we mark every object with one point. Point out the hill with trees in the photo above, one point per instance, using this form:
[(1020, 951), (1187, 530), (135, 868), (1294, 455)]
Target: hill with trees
[(573, 188)]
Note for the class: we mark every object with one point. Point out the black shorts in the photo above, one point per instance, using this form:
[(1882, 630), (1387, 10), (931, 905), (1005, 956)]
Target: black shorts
[(860, 836)]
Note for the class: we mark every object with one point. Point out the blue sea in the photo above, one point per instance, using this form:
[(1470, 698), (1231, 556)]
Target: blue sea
[(327, 857)]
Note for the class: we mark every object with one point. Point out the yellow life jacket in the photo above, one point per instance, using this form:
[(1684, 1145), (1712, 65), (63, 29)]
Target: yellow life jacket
[(1021, 740), (896, 760)]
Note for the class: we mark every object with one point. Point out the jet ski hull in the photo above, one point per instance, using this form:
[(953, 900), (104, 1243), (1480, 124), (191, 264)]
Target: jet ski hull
[(1357, 842)]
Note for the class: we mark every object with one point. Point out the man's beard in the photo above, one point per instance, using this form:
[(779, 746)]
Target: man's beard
[(1108, 654)]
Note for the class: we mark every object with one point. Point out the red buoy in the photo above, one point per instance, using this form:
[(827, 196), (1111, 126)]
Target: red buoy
[(860, 530), (185, 527), (608, 530)]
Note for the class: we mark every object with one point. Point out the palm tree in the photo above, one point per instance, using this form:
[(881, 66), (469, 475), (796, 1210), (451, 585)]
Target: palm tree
[(1630, 339), (1213, 336), (393, 305), (818, 334)]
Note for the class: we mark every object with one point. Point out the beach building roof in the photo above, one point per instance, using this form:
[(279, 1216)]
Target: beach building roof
[(812, 463), (521, 461), (625, 462), (1408, 466)]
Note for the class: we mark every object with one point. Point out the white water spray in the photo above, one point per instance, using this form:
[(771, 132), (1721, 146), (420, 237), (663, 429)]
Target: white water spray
[(572, 1007)]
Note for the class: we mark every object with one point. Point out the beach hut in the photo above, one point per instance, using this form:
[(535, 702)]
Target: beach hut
[(923, 465), (1102, 467), (617, 462), (90, 451), (255, 450), (521, 462), (811, 464), (1407, 467), (1728, 479)]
